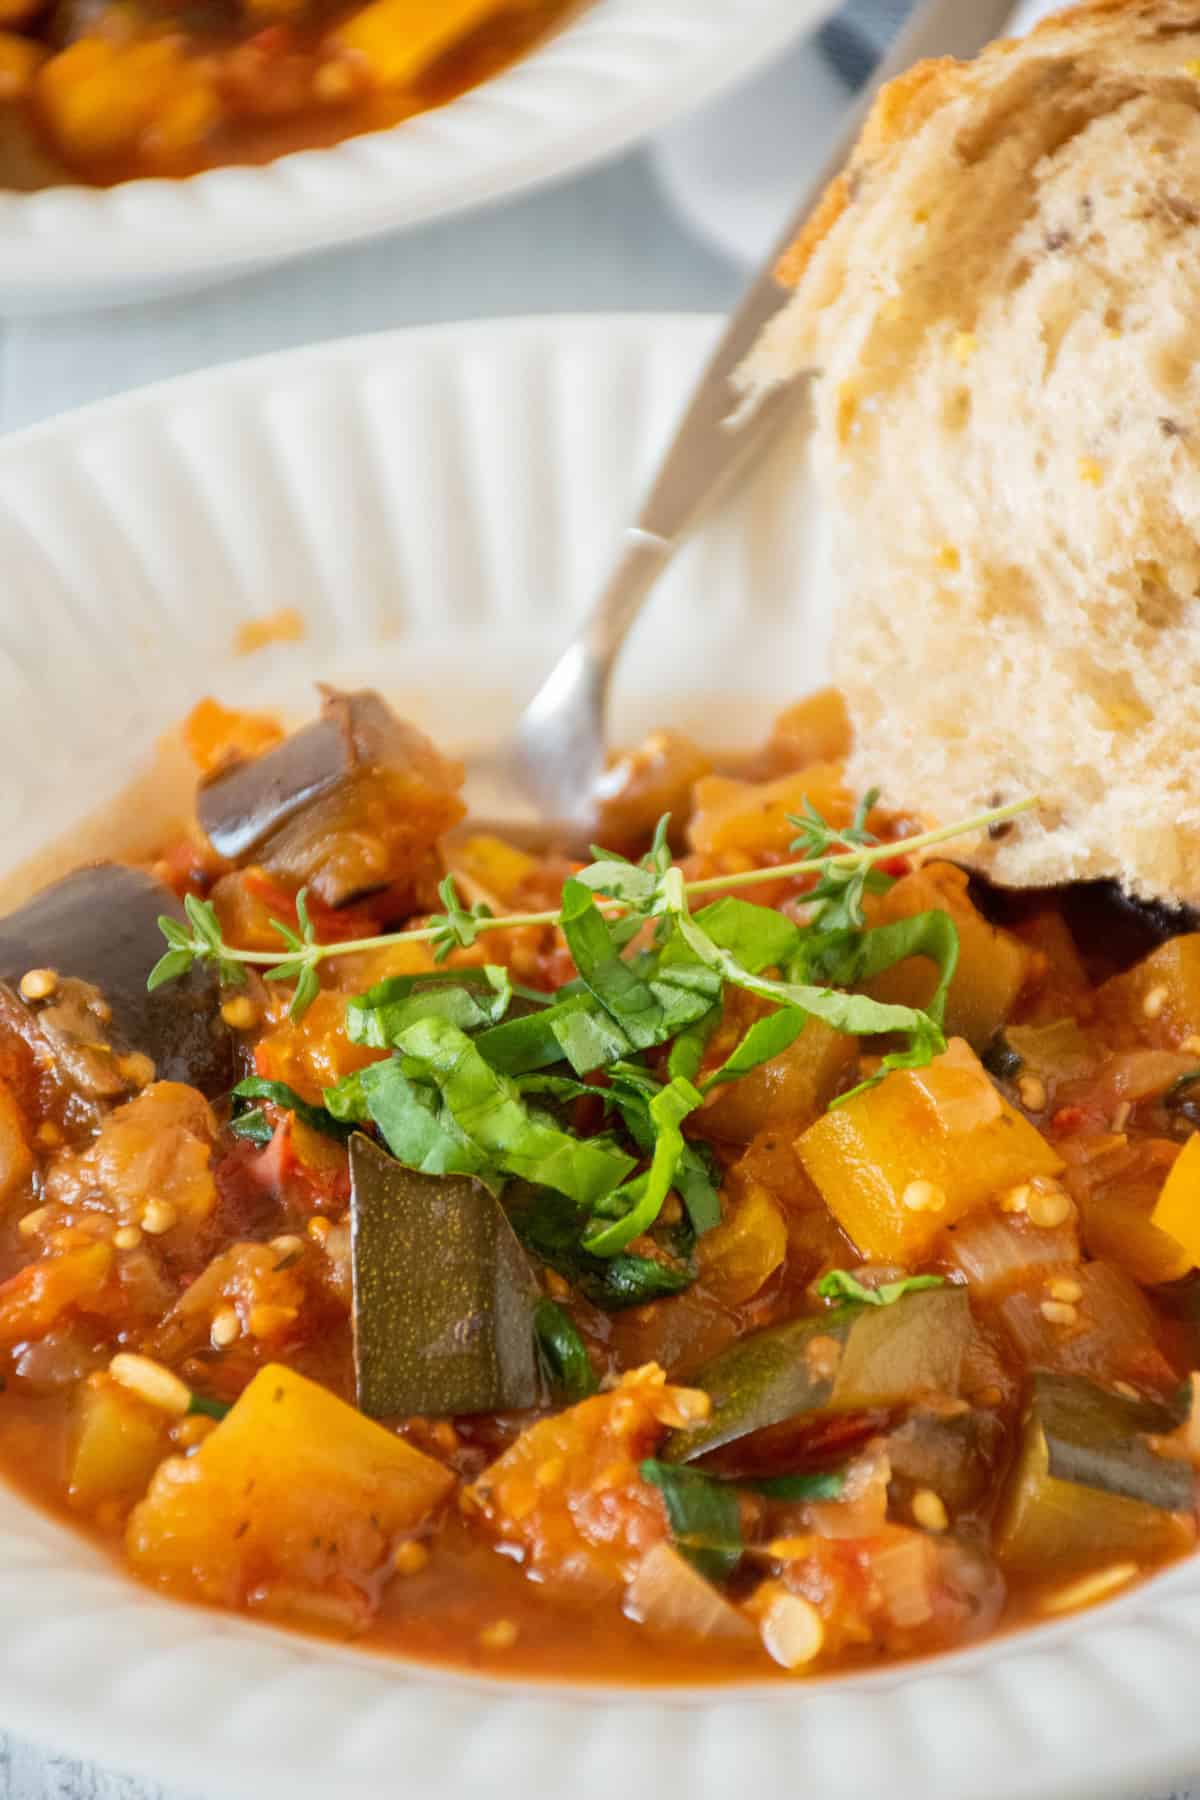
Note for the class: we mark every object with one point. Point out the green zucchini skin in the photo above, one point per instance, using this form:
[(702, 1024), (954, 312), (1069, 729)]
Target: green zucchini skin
[(851, 1359), (1097, 1439), (443, 1294), (1087, 1485)]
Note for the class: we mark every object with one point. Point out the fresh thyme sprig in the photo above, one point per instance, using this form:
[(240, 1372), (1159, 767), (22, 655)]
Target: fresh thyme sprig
[(839, 894), (649, 889)]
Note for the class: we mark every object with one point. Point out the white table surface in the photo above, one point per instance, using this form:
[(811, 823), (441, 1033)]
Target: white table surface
[(607, 241)]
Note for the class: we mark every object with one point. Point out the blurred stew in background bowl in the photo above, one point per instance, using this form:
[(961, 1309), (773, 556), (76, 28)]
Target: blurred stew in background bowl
[(103, 91)]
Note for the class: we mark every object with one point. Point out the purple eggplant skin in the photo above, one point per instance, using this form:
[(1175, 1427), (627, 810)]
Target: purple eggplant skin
[(100, 924), (240, 808)]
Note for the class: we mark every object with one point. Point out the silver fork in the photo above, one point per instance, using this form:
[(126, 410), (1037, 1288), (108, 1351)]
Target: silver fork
[(542, 783)]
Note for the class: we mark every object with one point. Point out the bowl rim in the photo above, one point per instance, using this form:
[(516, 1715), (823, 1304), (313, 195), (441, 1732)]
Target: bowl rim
[(605, 78)]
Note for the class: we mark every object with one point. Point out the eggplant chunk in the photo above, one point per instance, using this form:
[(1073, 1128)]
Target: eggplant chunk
[(100, 925), (1087, 1483), (352, 803), (443, 1294), (852, 1359)]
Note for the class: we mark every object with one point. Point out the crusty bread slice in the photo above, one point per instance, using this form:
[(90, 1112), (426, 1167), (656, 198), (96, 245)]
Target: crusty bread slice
[(1001, 297)]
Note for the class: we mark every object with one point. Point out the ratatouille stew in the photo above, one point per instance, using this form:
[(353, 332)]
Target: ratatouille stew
[(759, 1249), (102, 91)]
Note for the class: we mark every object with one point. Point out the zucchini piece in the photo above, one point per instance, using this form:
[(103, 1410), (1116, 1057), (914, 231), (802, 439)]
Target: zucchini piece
[(443, 1294), (1087, 1485), (849, 1360), (118, 1443), (100, 925)]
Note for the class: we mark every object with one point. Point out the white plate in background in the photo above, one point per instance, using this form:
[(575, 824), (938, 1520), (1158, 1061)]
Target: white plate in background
[(617, 70), (436, 504)]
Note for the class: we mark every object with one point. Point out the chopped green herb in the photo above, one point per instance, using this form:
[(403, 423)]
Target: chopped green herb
[(766, 1039), (201, 1405), (839, 894), (549, 1227), (377, 1017), (839, 1284), (419, 1130), (757, 937), (817, 1486), (253, 1126), (643, 1198), (844, 874), (704, 1516), (317, 1118), (850, 958), (488, 1110), (564, 1352)]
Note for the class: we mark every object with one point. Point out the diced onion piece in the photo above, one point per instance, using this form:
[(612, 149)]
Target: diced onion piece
[(993, 1250), (904, 1571), (861, 1508), (669, 1596)]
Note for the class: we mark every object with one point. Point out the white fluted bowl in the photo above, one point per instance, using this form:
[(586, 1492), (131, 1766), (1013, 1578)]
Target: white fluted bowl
[(436, 505), (616, 71)]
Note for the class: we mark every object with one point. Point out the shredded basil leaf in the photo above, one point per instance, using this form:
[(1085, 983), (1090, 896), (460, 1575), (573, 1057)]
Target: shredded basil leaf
[(704, 1516), (317, 1118), (417, 1127), (254, 1126), (208, 1409), (821, 1485), (549, 1226), (630, 1091), (839, 1284), (644, 1196), (687, 1051), (849, 958), (757, 937), (766, 1039), (485, 1111), (574, 1029), (377, 1017), (564, 1352), (605, 973)]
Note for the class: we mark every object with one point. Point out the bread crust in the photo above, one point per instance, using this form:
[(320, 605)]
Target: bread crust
[(1000, 297)]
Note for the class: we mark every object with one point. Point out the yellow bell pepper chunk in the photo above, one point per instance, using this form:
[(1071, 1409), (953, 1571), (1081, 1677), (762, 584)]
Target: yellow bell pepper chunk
[(993, 965), (290, 1506), (119, 1442), (399, 38), (900, 1162), (1160, 996), (1177, 1209)]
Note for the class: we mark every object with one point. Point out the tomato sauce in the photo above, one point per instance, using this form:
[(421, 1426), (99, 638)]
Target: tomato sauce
[(921, 1372)]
